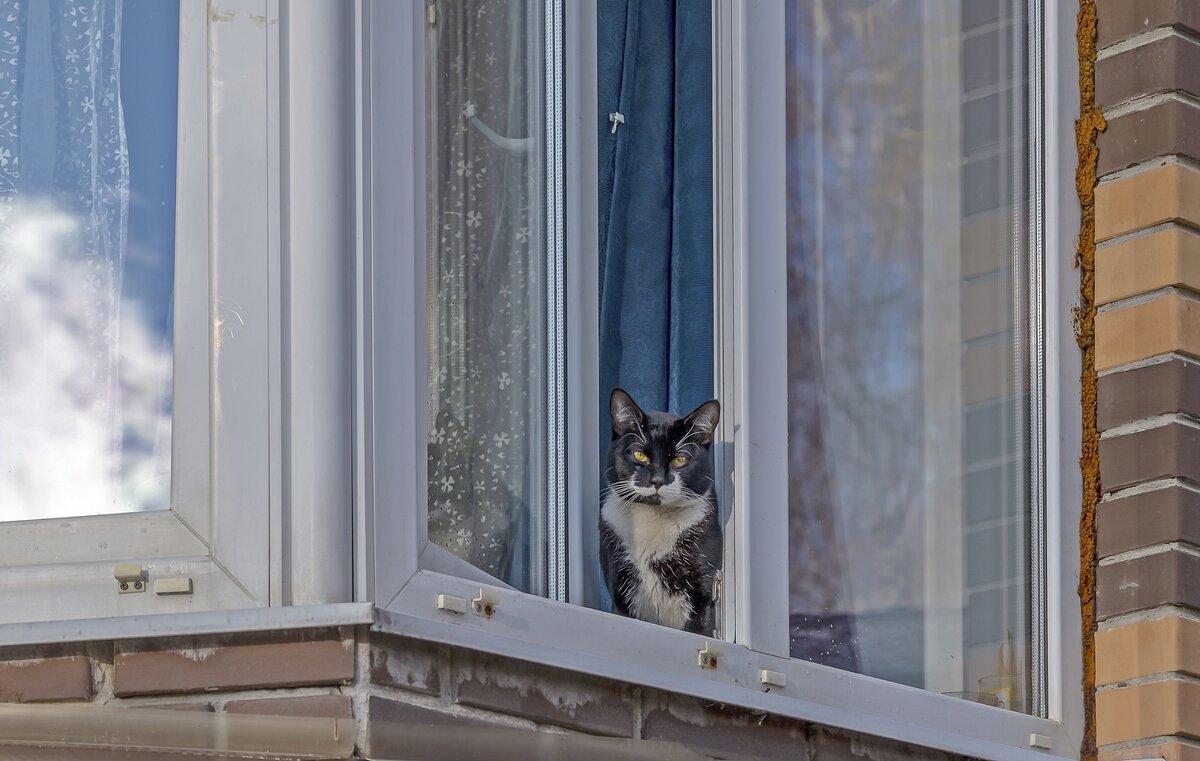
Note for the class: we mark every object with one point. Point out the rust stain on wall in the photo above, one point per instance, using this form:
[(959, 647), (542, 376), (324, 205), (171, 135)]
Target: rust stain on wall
[(1087, 131)]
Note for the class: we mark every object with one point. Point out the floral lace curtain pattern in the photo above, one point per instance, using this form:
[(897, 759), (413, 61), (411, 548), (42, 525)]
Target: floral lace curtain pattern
[(64, 201), (486, 306)]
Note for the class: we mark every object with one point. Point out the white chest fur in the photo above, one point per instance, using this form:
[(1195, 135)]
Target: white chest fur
[(649, 533)]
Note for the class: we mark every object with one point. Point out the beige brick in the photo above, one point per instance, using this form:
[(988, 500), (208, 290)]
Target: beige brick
[(1155, 709), (1146, 648), (1165, 258), (1167, 751), (232, 663), (987, 371), (322, 706), (1163, 194), (1169, 323), (44, 679), (986, 242), (987, 306)]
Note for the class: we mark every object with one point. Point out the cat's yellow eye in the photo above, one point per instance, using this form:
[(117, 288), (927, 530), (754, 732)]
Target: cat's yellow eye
[(641, 456), (679, 460)]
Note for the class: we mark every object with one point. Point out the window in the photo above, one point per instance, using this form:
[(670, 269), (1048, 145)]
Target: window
[(879, 276), (139, 319), (913, 355)]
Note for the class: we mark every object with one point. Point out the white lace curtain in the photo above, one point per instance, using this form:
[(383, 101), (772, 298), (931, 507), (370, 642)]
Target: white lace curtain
[(487, 314)]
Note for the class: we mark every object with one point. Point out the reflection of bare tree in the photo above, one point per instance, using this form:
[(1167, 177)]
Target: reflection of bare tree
[(854, 287)]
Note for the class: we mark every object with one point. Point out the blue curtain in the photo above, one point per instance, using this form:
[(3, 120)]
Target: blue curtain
[(655, 202)]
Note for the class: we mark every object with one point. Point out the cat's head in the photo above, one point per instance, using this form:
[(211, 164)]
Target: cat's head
[(657, 458)]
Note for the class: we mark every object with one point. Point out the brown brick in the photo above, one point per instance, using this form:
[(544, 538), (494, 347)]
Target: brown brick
[(1162, 388), (1145, 648), (1165, 451), (1168, 257), (386, 710), (834, 745), (1168, 128), (407, 663), (1165, 324), (231, 663), (723, 733), (1170, 514), (1155, 709), (43, 679), (397, 729), (1170, 63), (321, 706), (1166, 193), (1122, 19), (545, 695), (1171, 577), (1168, 751)]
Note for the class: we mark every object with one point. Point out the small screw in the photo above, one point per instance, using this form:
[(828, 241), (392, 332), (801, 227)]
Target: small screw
[(488, 610), (124, 585), (137, 585)]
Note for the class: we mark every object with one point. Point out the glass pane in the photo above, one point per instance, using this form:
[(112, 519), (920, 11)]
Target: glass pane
[(908, 343), (88, 94), (487, 305)]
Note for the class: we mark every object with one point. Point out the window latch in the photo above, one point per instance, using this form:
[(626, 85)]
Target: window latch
[(131, 578)]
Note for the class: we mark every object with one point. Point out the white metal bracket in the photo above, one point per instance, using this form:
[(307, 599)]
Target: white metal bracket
[(710, 655), (485, 604)]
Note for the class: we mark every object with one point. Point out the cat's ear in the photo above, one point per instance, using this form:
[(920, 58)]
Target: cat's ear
[(627, 417), (702, 421)]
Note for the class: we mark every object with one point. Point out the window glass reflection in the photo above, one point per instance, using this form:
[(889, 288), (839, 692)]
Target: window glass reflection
[(908, 343), (88, 94)]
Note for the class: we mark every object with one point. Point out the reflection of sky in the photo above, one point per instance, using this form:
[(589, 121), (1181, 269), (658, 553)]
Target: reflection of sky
[(65, 450), (149, 89)]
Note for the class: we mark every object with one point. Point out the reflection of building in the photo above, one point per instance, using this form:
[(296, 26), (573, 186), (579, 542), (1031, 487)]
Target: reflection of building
[(908, 285)]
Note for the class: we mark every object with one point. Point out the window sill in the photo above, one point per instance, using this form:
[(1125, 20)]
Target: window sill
[(578, 639)]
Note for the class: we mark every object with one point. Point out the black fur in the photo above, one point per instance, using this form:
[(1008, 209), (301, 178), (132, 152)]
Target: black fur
[(690, 568)]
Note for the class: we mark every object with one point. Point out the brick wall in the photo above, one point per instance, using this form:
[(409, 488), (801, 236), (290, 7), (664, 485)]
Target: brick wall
[(1147, 334), (388, 683)]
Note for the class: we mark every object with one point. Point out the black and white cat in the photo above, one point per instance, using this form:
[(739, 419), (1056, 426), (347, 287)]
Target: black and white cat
[(660, 529)]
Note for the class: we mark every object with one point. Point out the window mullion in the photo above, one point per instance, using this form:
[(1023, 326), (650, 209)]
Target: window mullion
[(750, 243)]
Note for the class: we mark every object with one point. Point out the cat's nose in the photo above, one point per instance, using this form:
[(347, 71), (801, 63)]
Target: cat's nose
[(658, 481)]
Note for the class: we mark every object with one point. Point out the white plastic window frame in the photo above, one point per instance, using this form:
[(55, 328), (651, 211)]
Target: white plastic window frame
[(418, 592), (261, 511)]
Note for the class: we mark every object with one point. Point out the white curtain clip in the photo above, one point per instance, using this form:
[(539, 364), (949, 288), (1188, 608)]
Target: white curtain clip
[(617, 118)]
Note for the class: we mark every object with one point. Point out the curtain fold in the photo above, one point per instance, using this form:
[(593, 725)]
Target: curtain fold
[(655, 202), (654, 60)]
